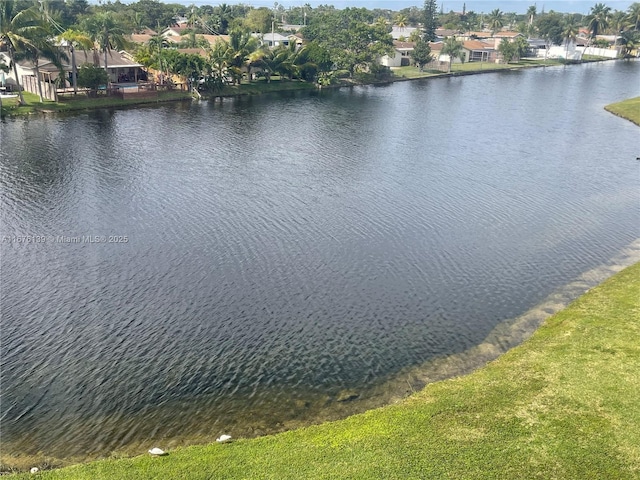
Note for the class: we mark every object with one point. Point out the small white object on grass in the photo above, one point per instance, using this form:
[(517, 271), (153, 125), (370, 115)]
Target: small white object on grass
[(223, 438), (34, 470), (156, 451)]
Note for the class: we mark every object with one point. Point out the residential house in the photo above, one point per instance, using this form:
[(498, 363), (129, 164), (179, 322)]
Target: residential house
[(274, 39), (474, 35), (442, 33), (401, 55), (499, 37), (121, 67), (478, 51), (287, 27), (140, 38), (175, 31)]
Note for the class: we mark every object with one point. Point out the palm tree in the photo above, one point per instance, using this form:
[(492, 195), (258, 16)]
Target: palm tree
[(40, 46), (630, 40), (192, 16), (263, 59), (242, 45), (453, 48), (570, 32), (289, 60), (496, 21), (138, 22), (220, 57), (531, 14), (618, 21), (15, 29), (598, 19), (189, 40), (634, 15), (157, 43), (225, 14), (76, 38), (107, 33), (4, 69), (401, 21)]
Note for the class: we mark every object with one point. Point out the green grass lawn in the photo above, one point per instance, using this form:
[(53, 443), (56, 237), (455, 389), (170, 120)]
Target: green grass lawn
[(562, 405), (81, 102), (261, 86), (629, 109), (473, 67)]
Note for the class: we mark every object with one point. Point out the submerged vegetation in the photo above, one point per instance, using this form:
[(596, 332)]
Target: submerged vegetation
[(561, 405)]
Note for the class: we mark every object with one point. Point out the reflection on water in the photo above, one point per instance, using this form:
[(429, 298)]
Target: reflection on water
[(286, 253)]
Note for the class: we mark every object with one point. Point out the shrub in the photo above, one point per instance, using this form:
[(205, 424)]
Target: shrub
[(90, 76)]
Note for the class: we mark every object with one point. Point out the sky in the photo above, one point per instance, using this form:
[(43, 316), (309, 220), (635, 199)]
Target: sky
[(478, 6)]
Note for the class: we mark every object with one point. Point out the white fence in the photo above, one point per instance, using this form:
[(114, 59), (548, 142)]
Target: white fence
[(601, 52), (576, 53), (30, 84)]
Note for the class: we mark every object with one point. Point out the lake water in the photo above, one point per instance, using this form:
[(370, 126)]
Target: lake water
[(273, 256)]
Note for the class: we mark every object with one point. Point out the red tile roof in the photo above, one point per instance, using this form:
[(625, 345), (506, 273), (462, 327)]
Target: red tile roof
[(407, 45), (476, 45)]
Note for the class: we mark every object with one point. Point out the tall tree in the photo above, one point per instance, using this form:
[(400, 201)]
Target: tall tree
[(570, 33), (225, 15), (350, 37), (496, 21), (430, 20), (634, 15), (415, 36), (531, 14), (220, 57), (137, 20), (452, 48), (107, 33), (40, 46), (193, 15), (154, 13), (401, 21), (550, 28), (242, 46), (4, 68), (15, 28), (421, 54), (598, 19), (259, 20), (507, 50), (76, 39), (630, 40), (618, 22)]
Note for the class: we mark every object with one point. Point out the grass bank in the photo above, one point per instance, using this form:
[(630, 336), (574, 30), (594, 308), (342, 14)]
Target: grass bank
[(261, 86), (10, 106), (561, 405), (627, 109), (485, 67)]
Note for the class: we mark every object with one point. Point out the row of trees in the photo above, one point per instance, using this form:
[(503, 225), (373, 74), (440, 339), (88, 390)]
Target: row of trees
[(324, 57), (337, 42), (32, 34), (600, 20)]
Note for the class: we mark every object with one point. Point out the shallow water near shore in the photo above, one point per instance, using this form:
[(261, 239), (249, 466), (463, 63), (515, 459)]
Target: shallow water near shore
[(297, 257)]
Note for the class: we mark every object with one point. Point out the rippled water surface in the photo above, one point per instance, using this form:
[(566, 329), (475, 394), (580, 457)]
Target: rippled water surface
[(283, 250)]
